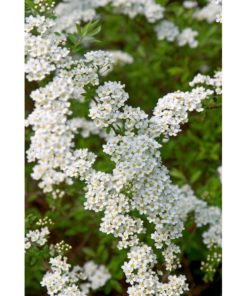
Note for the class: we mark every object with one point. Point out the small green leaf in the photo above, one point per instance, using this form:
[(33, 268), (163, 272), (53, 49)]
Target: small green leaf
[(89, 252), (116, 286)]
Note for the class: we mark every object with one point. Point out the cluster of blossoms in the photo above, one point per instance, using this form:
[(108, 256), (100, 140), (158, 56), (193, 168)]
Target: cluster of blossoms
[(144, 281), (110, 97), (215, 82), (167, 30), (86, 128), (120, 57), (190, 4), (62, 280), (204, 215), (37, 237), (172, 110), (211, 12), (138, 190), (52, 142), (43, 51), (139, 181)]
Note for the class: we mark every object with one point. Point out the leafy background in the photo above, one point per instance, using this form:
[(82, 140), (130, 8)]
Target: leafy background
[(192, 157)]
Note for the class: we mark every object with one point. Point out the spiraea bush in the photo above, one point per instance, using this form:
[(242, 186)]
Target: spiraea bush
[(123, 141)]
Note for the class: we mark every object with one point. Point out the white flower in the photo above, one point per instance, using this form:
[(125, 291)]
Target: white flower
[(190, 4), (167, 30), (187, 36), (38, 237), (211, 12)]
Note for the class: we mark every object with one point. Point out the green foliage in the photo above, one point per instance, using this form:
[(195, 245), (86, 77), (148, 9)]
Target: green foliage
[(83, 37)]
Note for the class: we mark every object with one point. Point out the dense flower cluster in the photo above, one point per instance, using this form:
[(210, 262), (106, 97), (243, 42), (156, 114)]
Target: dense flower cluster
[(120, 57), (215, 82), (204, 215), (37, 237), (190, 4), (110, 98), (52, 142), (43, 51), (62, 280), (172, 110), (211, 12), (144, 281), (139, 188)]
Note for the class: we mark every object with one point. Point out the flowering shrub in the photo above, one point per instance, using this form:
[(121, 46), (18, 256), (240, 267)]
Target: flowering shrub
[(103, 125)]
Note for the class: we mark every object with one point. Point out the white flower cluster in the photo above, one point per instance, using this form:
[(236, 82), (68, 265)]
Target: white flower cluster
[(120, 57), (215, 82), (172, 110), (140, 182), (110, 98), (62, 280), (149, 8), (97, 275), (211, 12), (144, 281), (187, 36), (166, 30), (36, 237), (190, 4), (43, 51), (86, 128), (73, 12), (52, 141), (204, 215)]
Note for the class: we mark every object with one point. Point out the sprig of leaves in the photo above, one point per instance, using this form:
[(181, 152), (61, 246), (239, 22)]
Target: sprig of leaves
[(83, 36)]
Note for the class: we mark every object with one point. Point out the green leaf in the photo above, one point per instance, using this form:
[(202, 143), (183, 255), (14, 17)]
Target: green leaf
[(116, 286), (195, 176), (89, 252), (177, 174)]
